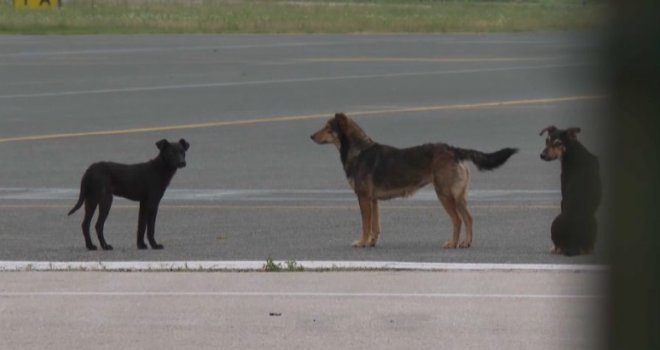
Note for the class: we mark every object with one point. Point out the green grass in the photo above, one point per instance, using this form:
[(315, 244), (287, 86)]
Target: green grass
[(291, 266), (310, 16)]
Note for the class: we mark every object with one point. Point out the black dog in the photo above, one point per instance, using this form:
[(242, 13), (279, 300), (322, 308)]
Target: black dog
[(143, 182), (573, 232)]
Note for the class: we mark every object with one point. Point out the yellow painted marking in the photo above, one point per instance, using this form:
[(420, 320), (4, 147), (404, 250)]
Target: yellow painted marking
[(36, 4), (274, 206), (161, 128), (278, 119)]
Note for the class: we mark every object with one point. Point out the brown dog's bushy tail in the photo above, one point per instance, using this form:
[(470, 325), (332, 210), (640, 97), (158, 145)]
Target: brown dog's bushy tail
[(485, 161)]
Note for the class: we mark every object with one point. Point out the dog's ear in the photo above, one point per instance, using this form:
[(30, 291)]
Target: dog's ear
[(162, 144), (572, 132), (342, 121), (184, 144), (550, 129)]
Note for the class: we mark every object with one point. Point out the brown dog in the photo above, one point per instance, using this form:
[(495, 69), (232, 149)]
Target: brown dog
[(380, 172)]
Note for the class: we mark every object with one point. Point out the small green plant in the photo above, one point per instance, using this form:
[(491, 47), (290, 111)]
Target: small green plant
[(272, 266), (289, 266), (293, 266)]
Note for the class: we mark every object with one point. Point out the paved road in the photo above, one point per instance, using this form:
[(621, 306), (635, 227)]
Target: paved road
[(356, 310), (256, 186)]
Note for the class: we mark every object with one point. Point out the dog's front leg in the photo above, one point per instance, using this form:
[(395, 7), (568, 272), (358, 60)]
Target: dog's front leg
[(142, 226), (365, 210), (152, 212), (375, 224)]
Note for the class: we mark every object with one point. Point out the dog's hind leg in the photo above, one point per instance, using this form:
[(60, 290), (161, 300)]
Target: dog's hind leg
[(365, 211), (90, 208), (464, 212), (449, 203), (459, 190), (450, 184), (564, 235), (375, 224), (104, 209)]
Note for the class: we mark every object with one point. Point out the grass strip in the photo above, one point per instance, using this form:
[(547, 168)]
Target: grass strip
[(311, 16)]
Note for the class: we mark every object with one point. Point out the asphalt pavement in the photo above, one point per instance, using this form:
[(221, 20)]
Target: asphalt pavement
[(255, 185)]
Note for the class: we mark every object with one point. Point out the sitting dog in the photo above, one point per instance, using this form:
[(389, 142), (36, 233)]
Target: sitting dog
[(380, 172), (143, 182), (573, 232)]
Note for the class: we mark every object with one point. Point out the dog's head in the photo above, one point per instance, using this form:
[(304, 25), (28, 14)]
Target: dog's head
[(330, 132), (173, 153), (555, 143)]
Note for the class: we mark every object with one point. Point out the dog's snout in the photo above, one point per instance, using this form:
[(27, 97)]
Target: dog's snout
[(182, 164), (546, 157)]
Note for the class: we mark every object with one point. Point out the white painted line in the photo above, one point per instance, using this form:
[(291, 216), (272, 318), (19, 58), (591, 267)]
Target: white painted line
[(284, 195), (192, 266), (302, 294), (279, 81)]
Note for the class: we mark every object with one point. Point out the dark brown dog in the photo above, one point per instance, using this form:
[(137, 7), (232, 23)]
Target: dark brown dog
[(380, 172), (574, 230), (143, 182)]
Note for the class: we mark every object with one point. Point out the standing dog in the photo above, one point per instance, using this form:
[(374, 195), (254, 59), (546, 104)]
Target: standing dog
[(380, 172), (143, 182), (574, 230)]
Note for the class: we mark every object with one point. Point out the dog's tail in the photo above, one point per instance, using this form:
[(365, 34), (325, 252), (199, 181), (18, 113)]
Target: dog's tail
[(485, 161), (81, 199), (81, 196)]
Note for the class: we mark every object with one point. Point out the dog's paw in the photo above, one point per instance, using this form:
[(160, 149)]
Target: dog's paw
[(142, 246), (371, 242), (107, 247), (465, 244), (449, 245), (359, 244), (555, 250), (91, 247), (157, 246)]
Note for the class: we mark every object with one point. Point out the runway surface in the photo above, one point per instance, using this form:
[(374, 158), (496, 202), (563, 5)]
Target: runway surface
[(256, 186)]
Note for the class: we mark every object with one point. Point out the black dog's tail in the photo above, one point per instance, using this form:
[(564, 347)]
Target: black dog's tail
[(485, 161), (81, 196), (81, 199)]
